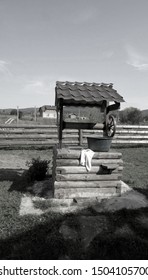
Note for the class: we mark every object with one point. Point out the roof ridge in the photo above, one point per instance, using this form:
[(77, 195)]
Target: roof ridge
[(64, 83)]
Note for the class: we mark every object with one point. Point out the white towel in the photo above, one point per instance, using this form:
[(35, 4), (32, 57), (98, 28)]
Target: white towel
[(86, 157)]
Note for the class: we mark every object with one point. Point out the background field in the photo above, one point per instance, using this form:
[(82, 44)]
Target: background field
[(41, 237), (134, 159)]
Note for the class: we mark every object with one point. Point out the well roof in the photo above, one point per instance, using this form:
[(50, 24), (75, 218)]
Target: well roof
[(77, 93)]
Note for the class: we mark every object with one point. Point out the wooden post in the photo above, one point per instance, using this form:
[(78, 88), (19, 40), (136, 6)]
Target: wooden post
[(35, 118), (61, 124), (80, 137), (17, 117), (105, 117)]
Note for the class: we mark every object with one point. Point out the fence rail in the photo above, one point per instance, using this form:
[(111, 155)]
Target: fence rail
[(47, 135)]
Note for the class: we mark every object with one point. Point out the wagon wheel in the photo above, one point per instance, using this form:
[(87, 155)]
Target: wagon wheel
[(110, 127)]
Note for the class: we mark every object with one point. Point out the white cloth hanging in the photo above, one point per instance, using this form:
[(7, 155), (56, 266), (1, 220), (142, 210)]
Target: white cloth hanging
[(86, 158)]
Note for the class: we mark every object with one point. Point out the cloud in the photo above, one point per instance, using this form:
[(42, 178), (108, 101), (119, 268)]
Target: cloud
[(41, 86), (36, 87), (83, 16), (136, 59), (4, 68), (107, 54)]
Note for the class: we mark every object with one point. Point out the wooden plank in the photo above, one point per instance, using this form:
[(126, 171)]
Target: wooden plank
[(75, 154), (67, 142), (92, 131), (131, 137), (131, 132), (70, 131), (130, 142), (77, 125), (25, 142), (27, 126), (82, 169), (95, 162), (132, 126), (28, 131), (84, 184), (87, 177), (70, 136), (82, 192), (25, 136)]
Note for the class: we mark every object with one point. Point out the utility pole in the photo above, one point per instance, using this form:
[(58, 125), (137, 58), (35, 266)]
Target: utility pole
[(35, 113), (17, 117)]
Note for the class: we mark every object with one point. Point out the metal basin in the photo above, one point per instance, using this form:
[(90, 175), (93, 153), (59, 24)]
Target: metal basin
[(99, 144)]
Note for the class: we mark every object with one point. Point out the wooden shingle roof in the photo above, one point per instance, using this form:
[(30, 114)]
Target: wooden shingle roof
[(76, 93)]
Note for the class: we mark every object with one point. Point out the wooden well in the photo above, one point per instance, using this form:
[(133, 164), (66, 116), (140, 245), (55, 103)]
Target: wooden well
[(71, 180)]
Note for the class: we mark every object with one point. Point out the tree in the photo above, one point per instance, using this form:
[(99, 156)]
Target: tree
[(14, 112), (20, 114), (130, 115)]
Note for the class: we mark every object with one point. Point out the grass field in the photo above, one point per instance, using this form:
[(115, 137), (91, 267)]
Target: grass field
[(41, 237), (27, 119)]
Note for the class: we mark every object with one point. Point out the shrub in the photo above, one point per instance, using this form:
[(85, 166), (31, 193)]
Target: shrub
[(13, 112), (130, 116), (37, 169)]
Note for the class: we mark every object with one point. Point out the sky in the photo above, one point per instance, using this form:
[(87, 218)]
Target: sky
[(44, 41)]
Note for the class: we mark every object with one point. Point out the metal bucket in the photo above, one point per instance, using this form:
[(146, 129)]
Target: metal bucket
[(99, 144)]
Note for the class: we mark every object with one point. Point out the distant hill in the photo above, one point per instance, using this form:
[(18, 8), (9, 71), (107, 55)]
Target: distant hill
[(24, 110)]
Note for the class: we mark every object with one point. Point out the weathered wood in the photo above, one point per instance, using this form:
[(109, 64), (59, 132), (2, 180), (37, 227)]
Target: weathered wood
[(28, 131), (77, 125), (27, 126), (81, 192), (38, 137), (61, 123), (75, 154), (125, 135), (70, 136), (69, 140), (131, 137), (132, 126), (25, 142), (95, 162), (86, 184), (87, 177), (131, 132), (82, 169), (70, 131), (130, 141), (80, 137)]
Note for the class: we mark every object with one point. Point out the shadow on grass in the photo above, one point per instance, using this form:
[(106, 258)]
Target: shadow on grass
[(7, 174), (109, 247), (123, 239), (142, 191), (126, 237), (18, 178), (44, 241), (21, 183)]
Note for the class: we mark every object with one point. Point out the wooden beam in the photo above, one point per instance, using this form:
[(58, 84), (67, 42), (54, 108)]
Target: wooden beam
[(61, 123), (87, 177), (84, 184), (82, 169), (75, 154), (95, 162), (113, 107), (77, 125)]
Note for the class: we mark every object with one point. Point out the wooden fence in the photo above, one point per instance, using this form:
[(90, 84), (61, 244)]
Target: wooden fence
[(47, 135)]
